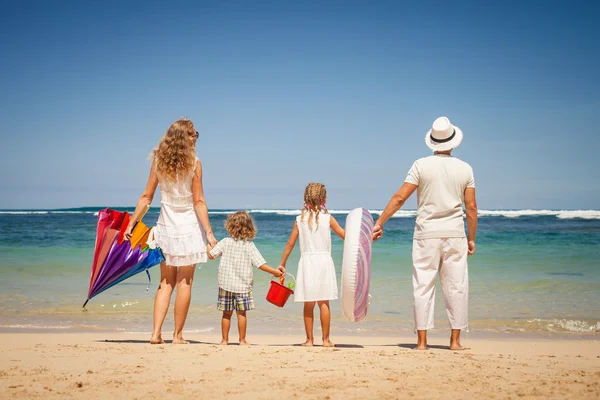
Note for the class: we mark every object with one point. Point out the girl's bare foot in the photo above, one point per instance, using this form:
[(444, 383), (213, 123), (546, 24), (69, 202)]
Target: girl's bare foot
[(327, 343), (156, 340), (244, 343), (224, 342), (308, 343)]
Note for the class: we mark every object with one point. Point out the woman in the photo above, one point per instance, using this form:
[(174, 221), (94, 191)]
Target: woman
[(183, 225)]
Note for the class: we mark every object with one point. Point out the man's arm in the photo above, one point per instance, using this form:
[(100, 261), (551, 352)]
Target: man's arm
[(471, 210), (395, 203)]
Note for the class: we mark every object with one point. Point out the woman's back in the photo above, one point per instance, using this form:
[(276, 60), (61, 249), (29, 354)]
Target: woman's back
[(177, 194)]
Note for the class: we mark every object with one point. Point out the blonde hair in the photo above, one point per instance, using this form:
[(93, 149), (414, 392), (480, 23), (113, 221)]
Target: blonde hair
[(240, 225), (175, 154), (315, 196)]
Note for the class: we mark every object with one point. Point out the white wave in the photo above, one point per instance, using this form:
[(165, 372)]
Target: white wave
[(570, 325), (562, 214), (516, 213), (279, 212), (74, 212), (31, 326), (583, 214), (23, 212)]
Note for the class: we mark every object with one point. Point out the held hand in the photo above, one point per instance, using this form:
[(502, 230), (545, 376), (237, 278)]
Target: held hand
[(211, 239), (282, 269), (377, 232), (471, 247), (127, 233), (278, 273)]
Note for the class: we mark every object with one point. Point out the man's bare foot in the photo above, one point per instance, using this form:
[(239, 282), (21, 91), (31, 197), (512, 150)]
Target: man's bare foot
[(156, 340), (180, 341), (244, 343), (458, 347), (308, 343), (327, 343), (224, 342)]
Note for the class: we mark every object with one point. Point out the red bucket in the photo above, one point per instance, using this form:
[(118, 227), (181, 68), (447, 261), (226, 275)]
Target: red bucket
[(278, 294)]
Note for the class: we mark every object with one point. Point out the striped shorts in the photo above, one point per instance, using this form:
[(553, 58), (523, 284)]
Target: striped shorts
[(229, 301)]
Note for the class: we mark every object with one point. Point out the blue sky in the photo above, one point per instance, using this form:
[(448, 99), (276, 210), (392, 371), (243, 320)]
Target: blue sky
[(284, 93)]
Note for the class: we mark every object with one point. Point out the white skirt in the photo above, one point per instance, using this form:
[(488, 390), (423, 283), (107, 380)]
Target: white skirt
[(180, 236), (315, 279)]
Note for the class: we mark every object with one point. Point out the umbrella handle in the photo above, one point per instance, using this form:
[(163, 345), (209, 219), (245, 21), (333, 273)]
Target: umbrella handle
[(149, 281), (143, 213), (141, 216)]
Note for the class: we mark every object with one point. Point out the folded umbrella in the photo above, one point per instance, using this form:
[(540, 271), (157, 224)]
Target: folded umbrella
[(116, 259), (150, 258)]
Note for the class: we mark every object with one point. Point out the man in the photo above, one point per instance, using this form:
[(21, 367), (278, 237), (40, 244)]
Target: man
[(443, 185)]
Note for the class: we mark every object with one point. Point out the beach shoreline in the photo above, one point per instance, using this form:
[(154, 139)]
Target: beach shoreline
[(123, 366)]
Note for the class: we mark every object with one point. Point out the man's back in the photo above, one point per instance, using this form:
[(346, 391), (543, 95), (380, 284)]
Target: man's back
[(441, 181)]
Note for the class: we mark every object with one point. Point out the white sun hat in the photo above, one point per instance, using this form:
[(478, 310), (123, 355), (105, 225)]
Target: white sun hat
[(443, 136)]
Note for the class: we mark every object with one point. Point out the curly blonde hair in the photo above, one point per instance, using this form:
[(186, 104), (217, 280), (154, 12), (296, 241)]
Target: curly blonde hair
[(175, 154), (315, 196), (240, 225)]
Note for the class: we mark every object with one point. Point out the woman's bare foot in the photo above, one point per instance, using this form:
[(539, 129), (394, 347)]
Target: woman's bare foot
[(308, 343), (156, 340), (224, 342), (327, 343), (180, 341), (244, 343)]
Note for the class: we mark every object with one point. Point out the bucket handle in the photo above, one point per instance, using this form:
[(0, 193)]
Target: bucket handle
[(282, 279)]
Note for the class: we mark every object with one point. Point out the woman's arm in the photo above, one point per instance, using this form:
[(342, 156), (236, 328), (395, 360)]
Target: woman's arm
[(200, 204), (337, 228), (144, 201), (396, 202), (289, 246)]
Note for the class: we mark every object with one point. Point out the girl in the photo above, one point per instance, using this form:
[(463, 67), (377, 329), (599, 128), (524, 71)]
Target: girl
[(315, 279), (236, 277)]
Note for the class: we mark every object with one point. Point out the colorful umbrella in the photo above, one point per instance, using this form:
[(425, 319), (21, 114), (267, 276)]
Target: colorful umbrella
[(116, 259)]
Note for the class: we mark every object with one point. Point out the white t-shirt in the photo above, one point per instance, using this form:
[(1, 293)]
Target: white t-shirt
[(441, 182)]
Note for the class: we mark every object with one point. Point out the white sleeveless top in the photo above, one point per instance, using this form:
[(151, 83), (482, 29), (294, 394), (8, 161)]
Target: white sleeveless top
[(315, 279), (179, 233)]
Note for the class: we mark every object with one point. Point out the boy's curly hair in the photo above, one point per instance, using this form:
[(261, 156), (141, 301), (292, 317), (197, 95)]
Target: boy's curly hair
[(240, 225)]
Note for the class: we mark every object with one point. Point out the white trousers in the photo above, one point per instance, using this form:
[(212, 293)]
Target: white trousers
[(449, 257)]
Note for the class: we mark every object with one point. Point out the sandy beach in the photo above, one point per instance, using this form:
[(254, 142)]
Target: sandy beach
[(124, 366)]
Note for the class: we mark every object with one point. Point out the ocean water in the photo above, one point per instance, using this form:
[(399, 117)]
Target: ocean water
[(536, 272)]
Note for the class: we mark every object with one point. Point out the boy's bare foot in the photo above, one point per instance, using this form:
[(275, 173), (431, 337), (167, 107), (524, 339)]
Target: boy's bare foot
[(180, 341), (327, 343), (224, 342), (458, 347), (244, 343), (308, 343), (156, 340)]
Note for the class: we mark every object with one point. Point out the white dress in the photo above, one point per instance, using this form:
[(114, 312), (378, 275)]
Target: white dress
[(178, 232), (315, 279)]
